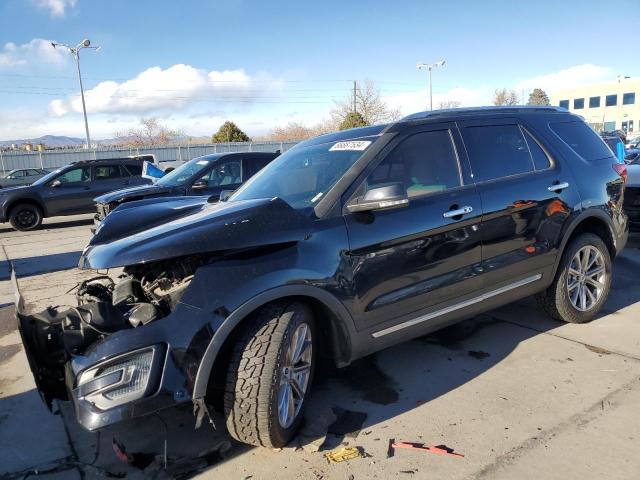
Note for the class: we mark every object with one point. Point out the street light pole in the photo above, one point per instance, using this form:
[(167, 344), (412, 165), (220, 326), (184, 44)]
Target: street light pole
[(75, 51), (430, 67)]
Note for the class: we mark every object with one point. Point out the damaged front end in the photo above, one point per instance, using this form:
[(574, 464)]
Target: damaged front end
[(134, 344), (61, 341)]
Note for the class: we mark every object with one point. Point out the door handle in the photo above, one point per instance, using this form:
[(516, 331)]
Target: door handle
[(458, 212), (558, 186)]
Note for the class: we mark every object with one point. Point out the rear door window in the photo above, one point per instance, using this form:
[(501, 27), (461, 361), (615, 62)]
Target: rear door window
[(582, 140), (497, 151), (424, 163), (134, 170), (108, 172), (253, 166)]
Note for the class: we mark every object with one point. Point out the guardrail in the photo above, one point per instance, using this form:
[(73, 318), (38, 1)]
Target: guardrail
[(169, 153)]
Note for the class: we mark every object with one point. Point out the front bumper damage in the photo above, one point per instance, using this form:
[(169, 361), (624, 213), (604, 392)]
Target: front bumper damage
[(127, 374)]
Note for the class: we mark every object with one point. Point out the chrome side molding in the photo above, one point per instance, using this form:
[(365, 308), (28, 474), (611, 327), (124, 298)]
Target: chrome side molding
[(457, 306)]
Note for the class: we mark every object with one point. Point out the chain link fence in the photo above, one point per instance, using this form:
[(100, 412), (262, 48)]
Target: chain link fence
[(164, 154)]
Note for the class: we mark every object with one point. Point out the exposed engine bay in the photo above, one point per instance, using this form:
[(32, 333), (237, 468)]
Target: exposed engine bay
[(142, 294)]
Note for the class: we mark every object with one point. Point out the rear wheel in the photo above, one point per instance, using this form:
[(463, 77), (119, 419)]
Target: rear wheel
[(582, 282), (269, 375), (25, 217)]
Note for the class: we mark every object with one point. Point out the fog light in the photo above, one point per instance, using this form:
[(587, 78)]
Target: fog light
[(120, 380)]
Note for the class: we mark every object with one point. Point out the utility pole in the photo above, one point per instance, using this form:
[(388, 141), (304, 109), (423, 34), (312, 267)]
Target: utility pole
[(354, 97), (75, 51)]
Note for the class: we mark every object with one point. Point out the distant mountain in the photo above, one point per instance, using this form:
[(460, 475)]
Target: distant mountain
[(57, 141), (47, 140)]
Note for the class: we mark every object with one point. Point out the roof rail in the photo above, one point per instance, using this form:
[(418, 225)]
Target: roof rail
[(489, 109)]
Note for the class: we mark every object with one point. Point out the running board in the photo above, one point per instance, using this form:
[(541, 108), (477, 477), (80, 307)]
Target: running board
[(457, 306)]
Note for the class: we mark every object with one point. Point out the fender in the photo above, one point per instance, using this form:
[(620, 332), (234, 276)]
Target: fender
[(232, 321), (581, 217)]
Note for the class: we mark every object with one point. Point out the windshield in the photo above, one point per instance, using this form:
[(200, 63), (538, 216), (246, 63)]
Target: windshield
[(48, 177), (303, 175), (184, 172)]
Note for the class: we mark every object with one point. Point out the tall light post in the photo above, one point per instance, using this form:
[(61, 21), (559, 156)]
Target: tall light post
[(75, 51), (430, 66)]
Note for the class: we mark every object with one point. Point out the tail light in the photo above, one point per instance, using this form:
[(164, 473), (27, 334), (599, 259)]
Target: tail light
[(621, 169)]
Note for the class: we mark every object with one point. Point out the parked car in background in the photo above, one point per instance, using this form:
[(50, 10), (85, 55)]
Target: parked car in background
[(22, 176), (69, 190), (633, 144), (616, 145), (632, 156), (346, 244), (208, 175), (621, 134)]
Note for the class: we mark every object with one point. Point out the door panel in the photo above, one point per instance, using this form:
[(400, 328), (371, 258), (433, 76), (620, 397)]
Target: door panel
[(522, 219), (73, 195), (411, 258)]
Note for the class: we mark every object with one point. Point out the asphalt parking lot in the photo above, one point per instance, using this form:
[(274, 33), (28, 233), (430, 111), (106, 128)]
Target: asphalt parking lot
[(519, 395)]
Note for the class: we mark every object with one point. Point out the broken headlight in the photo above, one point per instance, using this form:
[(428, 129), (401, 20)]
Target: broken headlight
[(121, 380)]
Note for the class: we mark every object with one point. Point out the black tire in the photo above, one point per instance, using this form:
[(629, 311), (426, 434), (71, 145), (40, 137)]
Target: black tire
[(555, 299), (255, 373), (25, 217)]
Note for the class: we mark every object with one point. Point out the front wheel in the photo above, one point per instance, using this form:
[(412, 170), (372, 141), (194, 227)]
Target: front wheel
[(269, 375), (25, 217), (582, 282)]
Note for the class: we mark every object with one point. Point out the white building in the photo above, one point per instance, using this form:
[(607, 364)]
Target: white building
[(606, 106)]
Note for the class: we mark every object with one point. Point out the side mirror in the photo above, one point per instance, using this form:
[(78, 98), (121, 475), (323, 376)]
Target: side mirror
[(386, 197), (56, 183), (225, 194), (200, 185)]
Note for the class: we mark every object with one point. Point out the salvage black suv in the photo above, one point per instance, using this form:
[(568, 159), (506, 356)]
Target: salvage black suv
[(346, 244)]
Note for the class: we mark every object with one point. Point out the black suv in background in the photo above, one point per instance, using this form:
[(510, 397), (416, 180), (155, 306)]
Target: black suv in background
[(208, 175), (69, 190), (346, 244)]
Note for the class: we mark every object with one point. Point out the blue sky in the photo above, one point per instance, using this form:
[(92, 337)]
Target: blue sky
[(196, 63)]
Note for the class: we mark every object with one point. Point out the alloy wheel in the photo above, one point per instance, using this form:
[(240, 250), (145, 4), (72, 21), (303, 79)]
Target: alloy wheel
[(295, 373), (26, 218), (586, 279)]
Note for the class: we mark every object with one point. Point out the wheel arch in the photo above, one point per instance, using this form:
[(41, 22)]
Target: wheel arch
[(27, 200), (589, 221), (337, 332)]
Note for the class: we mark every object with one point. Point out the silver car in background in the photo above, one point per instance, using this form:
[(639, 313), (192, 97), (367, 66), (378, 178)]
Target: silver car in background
[(21, 176)]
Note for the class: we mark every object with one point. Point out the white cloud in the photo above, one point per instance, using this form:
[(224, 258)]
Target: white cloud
[(56, 8), (156, 89), (567, 78), (37, 51)]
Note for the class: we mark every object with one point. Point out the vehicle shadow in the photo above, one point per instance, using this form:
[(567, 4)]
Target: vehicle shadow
[(372, 391)]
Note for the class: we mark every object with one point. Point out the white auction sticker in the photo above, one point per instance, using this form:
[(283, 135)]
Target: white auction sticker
[(203, 162), (356, 145)]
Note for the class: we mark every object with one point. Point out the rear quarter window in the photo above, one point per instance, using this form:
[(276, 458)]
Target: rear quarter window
[(582, 140)]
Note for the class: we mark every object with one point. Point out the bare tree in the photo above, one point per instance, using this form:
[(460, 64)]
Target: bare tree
[(291, 131), (150, 132), (448, 104), (502, 96), (298, 131), (368, 103)]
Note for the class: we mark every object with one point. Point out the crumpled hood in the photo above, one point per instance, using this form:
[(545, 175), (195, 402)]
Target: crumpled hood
[(151, 230), (138, 191)]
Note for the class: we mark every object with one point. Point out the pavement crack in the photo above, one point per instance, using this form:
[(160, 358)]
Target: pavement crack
[(593, 348), (580, 420)]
